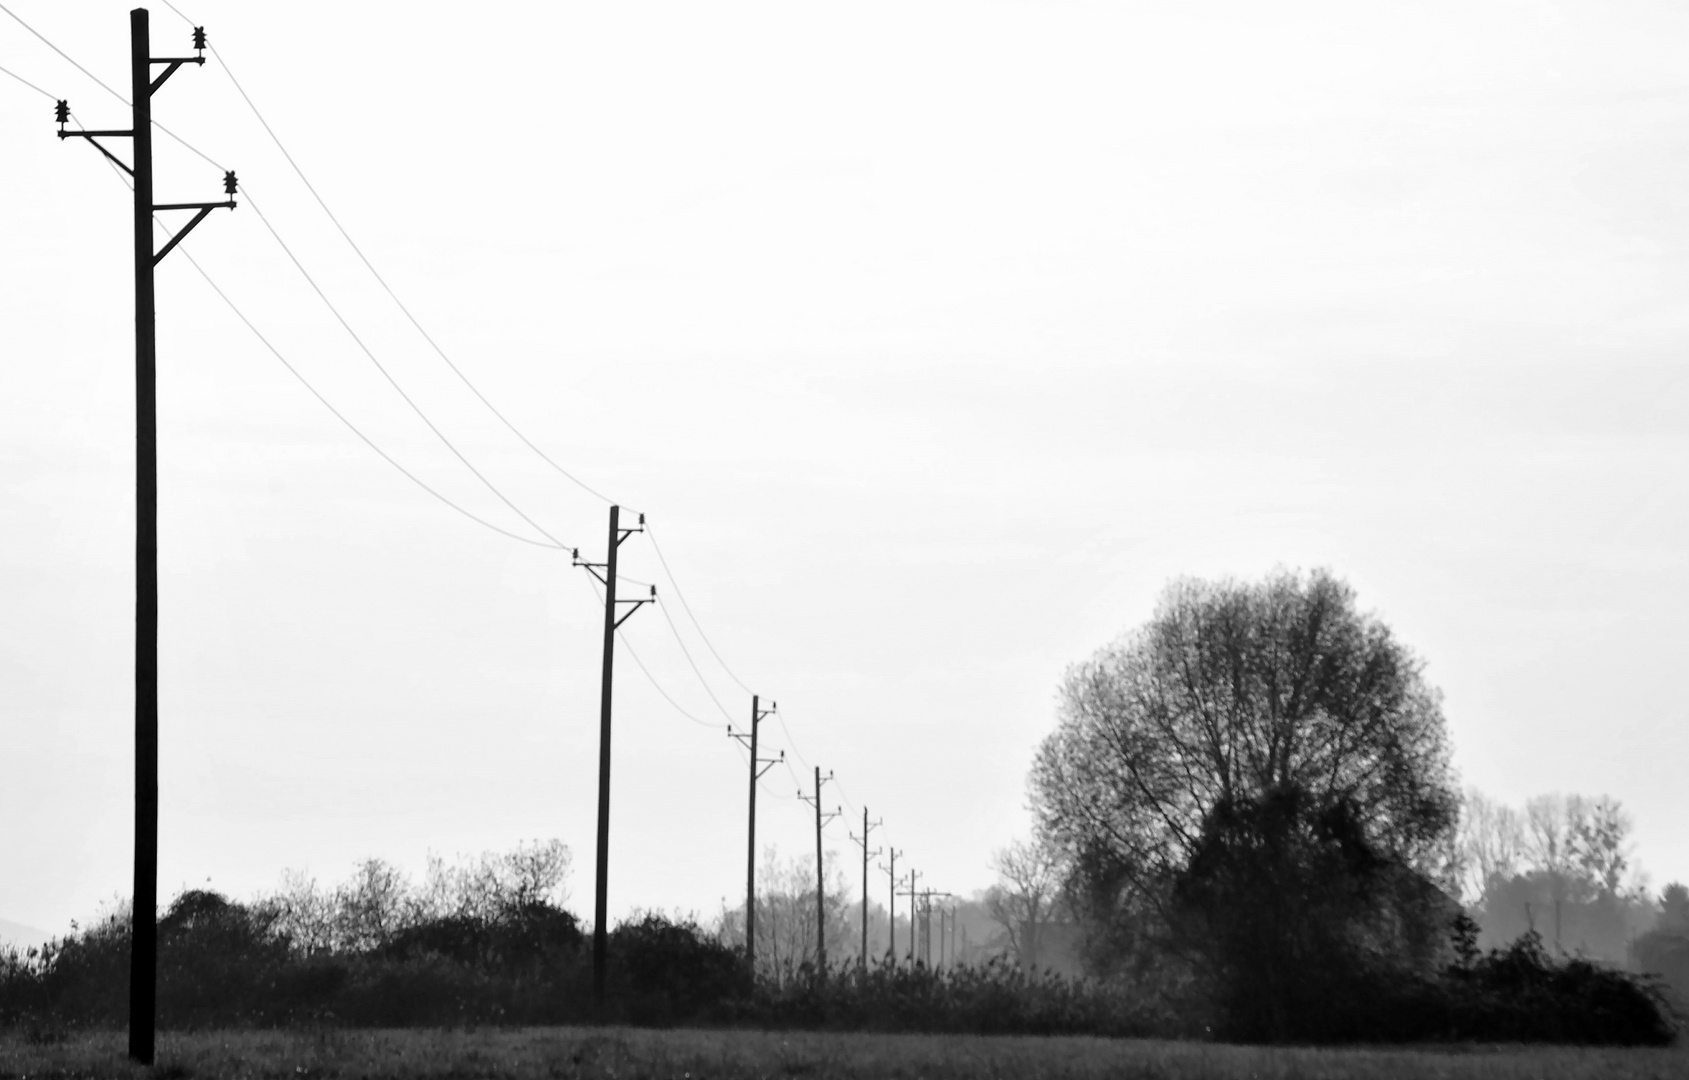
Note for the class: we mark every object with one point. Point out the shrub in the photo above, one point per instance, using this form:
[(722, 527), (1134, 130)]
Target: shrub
[(663, 972)]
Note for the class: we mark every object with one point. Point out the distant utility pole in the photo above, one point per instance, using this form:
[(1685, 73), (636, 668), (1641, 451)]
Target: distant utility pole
[(143, 948), (914, 875), (606, 573), (926, 923), (891, 908), (820, 874), (862, 961), (758, 767)]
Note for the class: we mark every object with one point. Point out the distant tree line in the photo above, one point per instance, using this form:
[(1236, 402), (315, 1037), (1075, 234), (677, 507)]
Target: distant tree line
[(1563, 866)]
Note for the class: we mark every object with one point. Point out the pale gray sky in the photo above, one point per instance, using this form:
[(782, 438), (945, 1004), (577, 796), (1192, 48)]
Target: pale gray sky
[(934, 336)]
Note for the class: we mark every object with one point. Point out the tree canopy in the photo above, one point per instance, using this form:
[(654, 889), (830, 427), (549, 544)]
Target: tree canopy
[(1254, 789), (1230, 692)]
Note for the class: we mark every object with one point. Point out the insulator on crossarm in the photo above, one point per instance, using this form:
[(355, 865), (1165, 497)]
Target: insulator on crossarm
[(199, 38), (229, 182), (62, 112)]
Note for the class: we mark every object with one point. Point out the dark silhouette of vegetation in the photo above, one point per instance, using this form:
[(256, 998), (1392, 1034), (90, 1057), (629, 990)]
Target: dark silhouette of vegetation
[(1287, 906), (224, 964), (1252, 800)]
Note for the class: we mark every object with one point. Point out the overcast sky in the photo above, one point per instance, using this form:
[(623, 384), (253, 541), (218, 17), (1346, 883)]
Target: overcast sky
[(934, 337)]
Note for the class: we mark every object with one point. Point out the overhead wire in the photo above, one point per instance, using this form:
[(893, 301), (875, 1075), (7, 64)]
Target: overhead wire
[(668, 572), (26, 82), (652, 679), (655, 546), (394, 383), (693, 664), (426, 336), (247, 192), (43, 39), (102, 84), (338, 415), (353, 428), (554, 542), (762, 782), (370, 266)]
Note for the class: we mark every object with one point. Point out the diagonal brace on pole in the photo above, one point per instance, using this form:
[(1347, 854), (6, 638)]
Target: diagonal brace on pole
[(89, 135), (203, 208)]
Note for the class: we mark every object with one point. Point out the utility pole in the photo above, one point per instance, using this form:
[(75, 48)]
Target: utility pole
[(143, 948), (926, 924), (820, 874), (862, 961), (605, 572), (914, 875), (891, 908), (758, 767)]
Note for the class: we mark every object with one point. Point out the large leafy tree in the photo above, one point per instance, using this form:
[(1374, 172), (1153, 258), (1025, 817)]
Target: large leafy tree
[(1247, 740)]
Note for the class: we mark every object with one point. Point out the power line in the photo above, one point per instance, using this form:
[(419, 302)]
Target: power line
[(26, 82), (652, 679), (43, 39), (684, 651), (688, 609), (338, 415), (353, 428), (793, 743), (394, 383), (554, 542), (353, 244), (762, 785), (845, 795)]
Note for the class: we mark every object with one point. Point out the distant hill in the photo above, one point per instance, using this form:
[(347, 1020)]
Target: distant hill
[(22, 936)]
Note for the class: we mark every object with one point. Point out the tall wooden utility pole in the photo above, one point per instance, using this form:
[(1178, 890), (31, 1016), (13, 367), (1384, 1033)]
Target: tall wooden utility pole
[(867, 827), (820, 874), (758, 767), (143, 944), (605, 572), (143, 947)]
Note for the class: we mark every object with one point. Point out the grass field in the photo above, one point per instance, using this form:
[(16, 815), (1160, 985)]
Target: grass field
[(625, 1054)]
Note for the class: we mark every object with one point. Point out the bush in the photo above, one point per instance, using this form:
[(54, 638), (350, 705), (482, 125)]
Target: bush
[(226, 964), (663, 972)]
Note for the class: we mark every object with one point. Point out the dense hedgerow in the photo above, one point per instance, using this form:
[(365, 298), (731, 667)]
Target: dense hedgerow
[(223, 964)]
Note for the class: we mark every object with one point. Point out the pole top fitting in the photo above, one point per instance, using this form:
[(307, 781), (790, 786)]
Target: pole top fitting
[(199, 38)]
